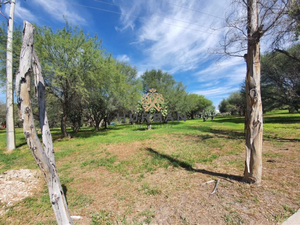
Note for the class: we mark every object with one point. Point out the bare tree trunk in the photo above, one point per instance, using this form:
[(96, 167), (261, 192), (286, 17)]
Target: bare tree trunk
[(10, 127), (63, 124), (99, 125), (254, 116), (43, 155)]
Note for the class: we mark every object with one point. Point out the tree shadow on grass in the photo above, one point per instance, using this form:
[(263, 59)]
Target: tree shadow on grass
[(188, 167), (84, 133), (154, 126), (282, 120), (65, 190), (267, 119), (21, 144), (231, 119), (237, 135), (229, 134), (279, 139)]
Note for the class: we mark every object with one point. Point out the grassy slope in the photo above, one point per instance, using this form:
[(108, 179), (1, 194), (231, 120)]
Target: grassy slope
[(187, 145)]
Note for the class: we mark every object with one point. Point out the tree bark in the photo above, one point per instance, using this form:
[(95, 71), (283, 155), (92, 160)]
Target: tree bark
[(10, 127), (254, 116), (43, 154), (99, 125), (63, 124)]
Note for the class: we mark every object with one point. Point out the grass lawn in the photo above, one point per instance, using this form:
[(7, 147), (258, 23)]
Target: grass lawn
[(124, 175)]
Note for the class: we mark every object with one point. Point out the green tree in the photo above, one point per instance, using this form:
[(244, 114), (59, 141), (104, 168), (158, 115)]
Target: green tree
[(118, 91), (280, 80), (173, 92), (223, 106), (195, 104), (237, 103), (68, 58)]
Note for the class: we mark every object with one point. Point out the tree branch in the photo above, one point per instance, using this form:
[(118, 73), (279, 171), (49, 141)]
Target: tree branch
[(287, 54)]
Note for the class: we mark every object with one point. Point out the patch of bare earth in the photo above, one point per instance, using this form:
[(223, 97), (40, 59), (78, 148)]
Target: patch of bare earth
[(176, 195), (15, 185)]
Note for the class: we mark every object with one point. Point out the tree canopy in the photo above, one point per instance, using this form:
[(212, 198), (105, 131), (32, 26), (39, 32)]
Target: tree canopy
[(280, 80), (86, 85)]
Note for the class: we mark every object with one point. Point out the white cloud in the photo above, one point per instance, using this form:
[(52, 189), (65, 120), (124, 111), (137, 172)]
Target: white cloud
[(21, 13), (58, 9), (172, 37), (175, 36), (123, 58), (232, 69), (217, 92)]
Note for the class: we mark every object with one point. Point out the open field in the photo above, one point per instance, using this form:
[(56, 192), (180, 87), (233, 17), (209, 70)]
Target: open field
[(133, 176)]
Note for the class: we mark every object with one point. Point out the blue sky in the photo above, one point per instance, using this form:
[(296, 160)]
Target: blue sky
[(177, 36)]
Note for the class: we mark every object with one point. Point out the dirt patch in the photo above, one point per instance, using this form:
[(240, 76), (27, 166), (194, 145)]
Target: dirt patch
[(150, 182), (175, 195), (15, 185)]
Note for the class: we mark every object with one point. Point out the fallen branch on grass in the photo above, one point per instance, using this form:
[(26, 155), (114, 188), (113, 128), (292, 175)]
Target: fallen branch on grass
[(208, 182), (215, 188)]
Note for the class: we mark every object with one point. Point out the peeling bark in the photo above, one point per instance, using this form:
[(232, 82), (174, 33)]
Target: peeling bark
[(43, 154), (254, 116)]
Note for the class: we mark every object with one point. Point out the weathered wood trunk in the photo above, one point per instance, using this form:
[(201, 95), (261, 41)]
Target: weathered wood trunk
[(10, 125), (43, 154), (254, 116)]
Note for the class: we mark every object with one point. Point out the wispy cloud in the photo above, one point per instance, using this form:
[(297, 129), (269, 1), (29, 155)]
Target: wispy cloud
[(123, 58), (217, 92), (171, 36), (232, 69), (57, 9), (178, 36), (21, 13)]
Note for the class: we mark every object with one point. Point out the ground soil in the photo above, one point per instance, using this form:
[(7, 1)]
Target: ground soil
[(182, 198), (15, 185), (179, 195)]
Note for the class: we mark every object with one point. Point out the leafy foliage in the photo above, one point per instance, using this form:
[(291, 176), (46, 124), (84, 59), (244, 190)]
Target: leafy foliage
[(174, 93), (235, 103), (280, 80)]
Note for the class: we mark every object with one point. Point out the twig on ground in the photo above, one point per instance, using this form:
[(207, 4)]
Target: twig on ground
[(215, 188), (76, 217), (208, 182)]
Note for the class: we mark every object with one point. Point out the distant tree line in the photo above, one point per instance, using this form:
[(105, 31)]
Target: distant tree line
[(87, 86), (280, 84)]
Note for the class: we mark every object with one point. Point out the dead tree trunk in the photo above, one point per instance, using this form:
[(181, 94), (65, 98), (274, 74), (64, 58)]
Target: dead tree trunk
[(43, 154), (254, 116)]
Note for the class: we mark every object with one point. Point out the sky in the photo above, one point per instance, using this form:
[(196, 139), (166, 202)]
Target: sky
[(177, 36)]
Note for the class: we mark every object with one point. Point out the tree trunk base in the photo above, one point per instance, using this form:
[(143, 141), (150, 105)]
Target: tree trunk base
[(251, 180)]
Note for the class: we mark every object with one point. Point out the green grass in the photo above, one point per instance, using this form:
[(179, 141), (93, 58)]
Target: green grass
[(149, 190), (275, 129), (184, 146)]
